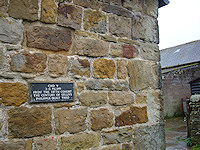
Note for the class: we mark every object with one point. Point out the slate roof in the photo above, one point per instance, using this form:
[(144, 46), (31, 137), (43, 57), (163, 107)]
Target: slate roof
[(180, 55)]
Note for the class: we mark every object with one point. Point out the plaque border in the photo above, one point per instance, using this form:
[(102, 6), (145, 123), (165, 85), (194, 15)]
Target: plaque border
[(44, 102)]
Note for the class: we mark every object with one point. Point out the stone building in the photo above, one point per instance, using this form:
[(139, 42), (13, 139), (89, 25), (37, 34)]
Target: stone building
[(105, 49), (180, 65)]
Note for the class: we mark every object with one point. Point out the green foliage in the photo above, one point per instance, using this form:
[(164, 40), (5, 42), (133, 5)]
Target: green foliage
[(196, 147), (188, 141)]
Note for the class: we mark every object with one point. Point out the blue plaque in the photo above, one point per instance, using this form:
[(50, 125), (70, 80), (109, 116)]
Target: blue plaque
[(51, 92)]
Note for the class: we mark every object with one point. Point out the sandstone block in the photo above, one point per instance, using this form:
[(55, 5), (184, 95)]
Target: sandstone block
[(121, 69), (129, 41), (28, 62), (11, 31), (108, 38), (145, 28), (80, 141), (79, 67), (149, 137), (80, 86), (2, 57), (29, 122), (45, 144), (90, 47), (141, 99), (128, 146), (150, 51), (111, 147), (120, 11), (143, 74), (116, 50), (70, 120), (3, 8), (85, 34), (101, 118), (69, 16), (104, 68), (124, 50), (94, 4), (16, 144), (129, 51), (110, 85), (113, 2), (49, 38), (120, 26), (93, 99), (155, 107), (150, 8), (117, 136), (95, 21), (23, 9), (48, 11), (134, 5), (13, 94), (57, 64), (120, 98), (131, 115)]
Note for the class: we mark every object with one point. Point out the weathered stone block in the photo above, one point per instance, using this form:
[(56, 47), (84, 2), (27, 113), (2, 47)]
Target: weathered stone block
[(85, 34), (112, 147), (150, 51), (122, 69), (29, 122), (104, 68), (94, 4), (117, 136), (108, 38), (79, 67), (23, 9), (90, 47), (129, 51), (135, 5), (131, 115), (28, 62), (113, 2), (145, 28), (128, 146), (124, 50), (3, 123), (11, 30), (95, 21), (120, 11), (80, 86), (48, 11), (49, 38), (16, 144), (101, 118), (70, 120), (143, 74), (45, 144), (120, 98), (13, 94), (80, 141), (110, 85), (155, 109), (93, 99), (57, 64), (3, 8), (69, 16), (120, 26), (2, 57), (141, 99), (150, 7), (149, 137), (116, 50)]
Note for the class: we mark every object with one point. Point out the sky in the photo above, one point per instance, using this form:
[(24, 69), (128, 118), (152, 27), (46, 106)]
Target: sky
[(179, 23)]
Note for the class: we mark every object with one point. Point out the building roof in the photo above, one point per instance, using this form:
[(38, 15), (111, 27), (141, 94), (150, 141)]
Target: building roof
[(180, 55)]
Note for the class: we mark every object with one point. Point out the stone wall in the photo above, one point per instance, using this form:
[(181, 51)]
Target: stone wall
[(175, 87), (107, 48), (193, 120)]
